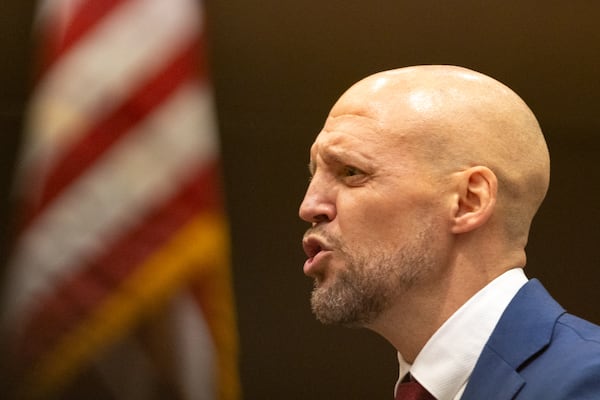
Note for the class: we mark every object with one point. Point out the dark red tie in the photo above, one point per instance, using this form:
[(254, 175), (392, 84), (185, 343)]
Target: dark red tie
[(412, 391)]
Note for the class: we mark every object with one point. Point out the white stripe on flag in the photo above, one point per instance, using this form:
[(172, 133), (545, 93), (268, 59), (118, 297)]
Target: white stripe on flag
[(144, 168), (129, 45), (195, 350)]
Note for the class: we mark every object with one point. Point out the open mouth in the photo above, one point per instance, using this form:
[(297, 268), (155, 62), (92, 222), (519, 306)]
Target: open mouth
[(312, 246), (318, 250)]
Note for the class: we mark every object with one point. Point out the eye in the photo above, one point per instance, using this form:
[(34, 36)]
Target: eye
[(353, 176), (351, 171)]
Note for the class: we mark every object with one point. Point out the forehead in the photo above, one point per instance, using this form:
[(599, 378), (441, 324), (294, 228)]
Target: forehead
[(348, 133), (358, 141)]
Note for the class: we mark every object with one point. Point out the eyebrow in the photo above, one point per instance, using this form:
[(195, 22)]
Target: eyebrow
[(334, 155)]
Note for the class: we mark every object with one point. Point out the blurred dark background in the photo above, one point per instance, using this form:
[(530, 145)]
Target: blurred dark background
[(277, 68)]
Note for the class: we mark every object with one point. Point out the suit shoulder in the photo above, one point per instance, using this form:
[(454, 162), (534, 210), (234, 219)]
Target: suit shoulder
[(585, 330), (569, 366)]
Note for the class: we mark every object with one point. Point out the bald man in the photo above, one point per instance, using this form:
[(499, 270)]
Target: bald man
[(424, 183)]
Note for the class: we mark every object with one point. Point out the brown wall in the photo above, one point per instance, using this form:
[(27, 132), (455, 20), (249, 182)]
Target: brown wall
[(277, 68)]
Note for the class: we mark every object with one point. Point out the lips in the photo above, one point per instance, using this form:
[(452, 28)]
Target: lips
[(315, 250), (312, 246)]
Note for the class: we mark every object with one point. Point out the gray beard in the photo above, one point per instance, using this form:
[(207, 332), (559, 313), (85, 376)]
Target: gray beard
[(370, 283)]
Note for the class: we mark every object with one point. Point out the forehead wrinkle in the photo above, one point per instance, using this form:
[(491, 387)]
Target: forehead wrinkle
[(336, 145), (351, 115), (347, 128), (338, 148)]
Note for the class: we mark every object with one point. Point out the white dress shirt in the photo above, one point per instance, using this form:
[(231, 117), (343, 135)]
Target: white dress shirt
[(447, 360)]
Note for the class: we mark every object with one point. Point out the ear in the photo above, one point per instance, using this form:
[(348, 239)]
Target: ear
[(476, 199)]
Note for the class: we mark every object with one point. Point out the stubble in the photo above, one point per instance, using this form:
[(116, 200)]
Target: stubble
[(371, 280)]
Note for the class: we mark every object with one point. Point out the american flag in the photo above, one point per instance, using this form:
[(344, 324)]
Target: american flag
[(120, 272)]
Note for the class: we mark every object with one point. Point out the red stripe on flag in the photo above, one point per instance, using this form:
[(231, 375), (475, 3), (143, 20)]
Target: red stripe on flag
[(83, 19), (73, 300), (116, 125)]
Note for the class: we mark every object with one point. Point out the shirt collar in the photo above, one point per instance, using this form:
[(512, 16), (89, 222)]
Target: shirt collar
[(446, 361)]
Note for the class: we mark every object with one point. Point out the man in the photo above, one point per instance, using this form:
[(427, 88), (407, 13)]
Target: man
[(424, 184)]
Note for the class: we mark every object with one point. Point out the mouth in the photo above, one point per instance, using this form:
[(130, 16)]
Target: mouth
[(315, 249), (313, 246)]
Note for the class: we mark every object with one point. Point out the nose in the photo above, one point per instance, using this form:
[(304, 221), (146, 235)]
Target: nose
[(319, 203)]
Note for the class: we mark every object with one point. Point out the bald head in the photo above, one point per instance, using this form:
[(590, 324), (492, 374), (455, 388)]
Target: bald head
[(454, 118)]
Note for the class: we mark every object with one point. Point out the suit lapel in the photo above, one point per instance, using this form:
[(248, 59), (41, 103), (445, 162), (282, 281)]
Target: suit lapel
[(483, 382), (523, 331)]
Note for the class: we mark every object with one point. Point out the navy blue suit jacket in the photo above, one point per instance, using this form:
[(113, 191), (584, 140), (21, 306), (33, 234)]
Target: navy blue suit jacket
[(538, 352)]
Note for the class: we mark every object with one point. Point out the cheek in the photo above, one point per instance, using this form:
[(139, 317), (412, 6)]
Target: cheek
[(382, 222), (371, 220)]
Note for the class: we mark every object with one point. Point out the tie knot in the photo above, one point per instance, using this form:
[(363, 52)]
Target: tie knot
[(412, 391)]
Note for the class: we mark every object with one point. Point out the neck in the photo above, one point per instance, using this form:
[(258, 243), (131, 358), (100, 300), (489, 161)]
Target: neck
[(410, 322), (421, 310)]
